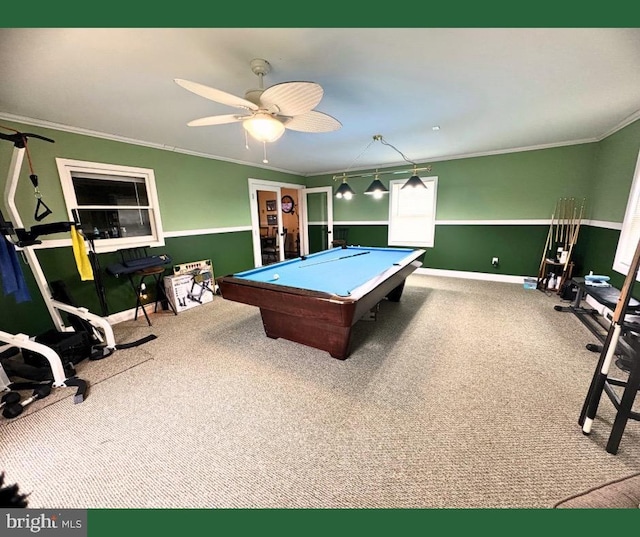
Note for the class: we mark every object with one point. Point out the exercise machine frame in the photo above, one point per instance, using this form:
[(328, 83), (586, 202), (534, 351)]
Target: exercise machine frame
[(25, 244)]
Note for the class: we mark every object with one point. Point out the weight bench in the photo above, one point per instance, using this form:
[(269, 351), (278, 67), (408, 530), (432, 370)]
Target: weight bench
[(596, 321), (627, 349)]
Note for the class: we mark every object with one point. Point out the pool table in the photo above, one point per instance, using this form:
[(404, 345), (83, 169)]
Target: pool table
[(316, 299)]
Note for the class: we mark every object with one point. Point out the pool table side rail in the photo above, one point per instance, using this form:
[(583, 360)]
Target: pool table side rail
[(324, 307), (396, 267)]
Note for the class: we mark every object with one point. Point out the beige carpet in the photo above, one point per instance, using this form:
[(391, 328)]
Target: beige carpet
[(464, 394)]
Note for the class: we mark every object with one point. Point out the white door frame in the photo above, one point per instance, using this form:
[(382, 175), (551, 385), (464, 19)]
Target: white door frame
[(269, 186), (304, 245)]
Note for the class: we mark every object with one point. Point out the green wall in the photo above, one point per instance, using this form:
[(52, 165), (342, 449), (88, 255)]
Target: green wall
[(194, 193), (474, 196), (470, 248), (512, 186), (615, 164)]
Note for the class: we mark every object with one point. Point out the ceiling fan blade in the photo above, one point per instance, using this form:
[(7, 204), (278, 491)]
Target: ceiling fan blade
[(292, 98), (216, 120), (215, 94), (313, 121)]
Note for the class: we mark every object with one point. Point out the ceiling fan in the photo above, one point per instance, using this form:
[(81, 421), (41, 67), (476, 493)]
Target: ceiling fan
[(268, 112)]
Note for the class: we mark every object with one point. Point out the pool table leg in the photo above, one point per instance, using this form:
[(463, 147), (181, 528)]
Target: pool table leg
[(334, 339), (394, 296)]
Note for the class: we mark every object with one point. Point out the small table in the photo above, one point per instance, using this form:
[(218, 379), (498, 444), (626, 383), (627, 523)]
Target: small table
[(316, 299), (156, 274), (558, 269)]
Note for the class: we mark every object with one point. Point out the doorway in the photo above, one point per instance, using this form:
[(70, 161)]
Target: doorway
[(317, 221), (275, 220), (298, 220)]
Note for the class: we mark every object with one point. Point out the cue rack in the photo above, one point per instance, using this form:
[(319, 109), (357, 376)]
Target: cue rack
[(556, 266)]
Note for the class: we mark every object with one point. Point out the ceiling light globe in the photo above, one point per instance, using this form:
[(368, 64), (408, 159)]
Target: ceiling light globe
[(264, 127)]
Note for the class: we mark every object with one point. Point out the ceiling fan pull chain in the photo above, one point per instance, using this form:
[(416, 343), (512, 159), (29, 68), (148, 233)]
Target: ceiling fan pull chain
[(265, 160), (246, 140)]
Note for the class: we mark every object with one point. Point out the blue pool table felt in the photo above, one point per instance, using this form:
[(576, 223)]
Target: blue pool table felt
[(336, 271)]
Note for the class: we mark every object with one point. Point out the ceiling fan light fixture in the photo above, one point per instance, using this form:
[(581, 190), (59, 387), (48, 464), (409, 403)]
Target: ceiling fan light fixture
[(264, 127)]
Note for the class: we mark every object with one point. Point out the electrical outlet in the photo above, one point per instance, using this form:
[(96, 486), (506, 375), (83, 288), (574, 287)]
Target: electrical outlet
[(494, 261)]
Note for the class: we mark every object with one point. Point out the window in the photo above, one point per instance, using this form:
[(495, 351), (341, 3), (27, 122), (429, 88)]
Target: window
[(412, 213), (117, 205), (630, 234)]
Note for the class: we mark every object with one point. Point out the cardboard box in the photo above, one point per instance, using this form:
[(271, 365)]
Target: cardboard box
[(186, 291)]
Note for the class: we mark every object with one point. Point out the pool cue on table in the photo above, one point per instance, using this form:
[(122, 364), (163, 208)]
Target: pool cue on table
[(331, 260), (590, 406)]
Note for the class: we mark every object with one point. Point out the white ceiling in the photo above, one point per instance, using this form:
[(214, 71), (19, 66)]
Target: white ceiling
[(490, 90)]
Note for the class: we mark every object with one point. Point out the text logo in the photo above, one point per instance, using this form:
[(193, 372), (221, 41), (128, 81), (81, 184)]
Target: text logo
[(45, 522)]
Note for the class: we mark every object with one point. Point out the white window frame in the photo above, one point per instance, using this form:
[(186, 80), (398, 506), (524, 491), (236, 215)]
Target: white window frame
[(66, 167), (630, 234), (425, 222)]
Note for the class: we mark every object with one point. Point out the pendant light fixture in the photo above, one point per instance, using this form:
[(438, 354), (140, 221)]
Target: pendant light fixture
[(376, 188), (414, 181), (344, 190)]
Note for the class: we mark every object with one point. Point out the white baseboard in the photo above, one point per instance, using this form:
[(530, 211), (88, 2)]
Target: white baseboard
[(128, 315), (472, 275)]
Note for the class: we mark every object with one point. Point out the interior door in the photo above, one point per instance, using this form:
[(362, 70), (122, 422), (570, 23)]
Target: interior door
[(266, 222), (317, 219)]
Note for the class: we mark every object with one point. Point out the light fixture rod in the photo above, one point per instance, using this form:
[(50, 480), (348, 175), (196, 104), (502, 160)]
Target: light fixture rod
[(371, 174)]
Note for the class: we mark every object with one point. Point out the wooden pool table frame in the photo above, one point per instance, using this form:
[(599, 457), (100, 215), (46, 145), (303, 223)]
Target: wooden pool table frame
[(320, 320)]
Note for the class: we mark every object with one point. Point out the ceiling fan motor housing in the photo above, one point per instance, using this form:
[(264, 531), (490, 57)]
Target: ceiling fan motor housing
[(260, 67)]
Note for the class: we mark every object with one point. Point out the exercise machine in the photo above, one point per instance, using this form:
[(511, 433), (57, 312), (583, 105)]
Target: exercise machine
[(24, 240), (619, 331)]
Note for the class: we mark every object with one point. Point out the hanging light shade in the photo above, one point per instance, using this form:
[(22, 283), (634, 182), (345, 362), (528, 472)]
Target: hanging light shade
[(264, 127), (376, 189), (414, 182), (345, 191)]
